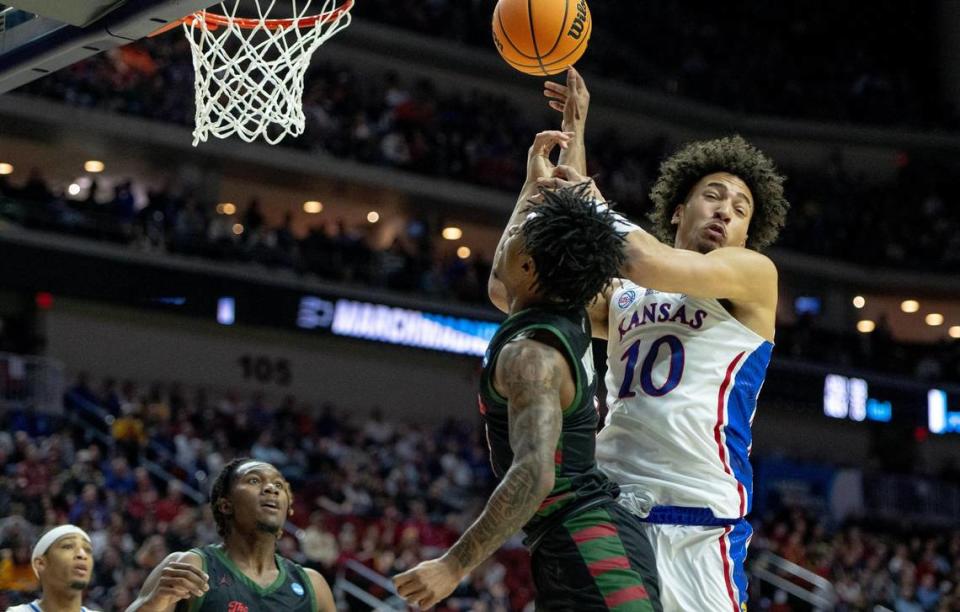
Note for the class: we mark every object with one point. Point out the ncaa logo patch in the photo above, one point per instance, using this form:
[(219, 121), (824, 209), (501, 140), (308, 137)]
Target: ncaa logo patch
[(297, 588), (626, 298)]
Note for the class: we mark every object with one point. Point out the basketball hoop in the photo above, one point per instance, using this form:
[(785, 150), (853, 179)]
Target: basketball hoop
[(249, 71)]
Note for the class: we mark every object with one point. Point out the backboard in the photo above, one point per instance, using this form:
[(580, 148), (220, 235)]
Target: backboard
[(38, 37)]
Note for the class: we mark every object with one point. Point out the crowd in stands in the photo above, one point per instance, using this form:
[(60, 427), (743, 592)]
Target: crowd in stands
[(776, 58), (175, 221), (383, 494), (901, 568), (904, 222), (132, 464)]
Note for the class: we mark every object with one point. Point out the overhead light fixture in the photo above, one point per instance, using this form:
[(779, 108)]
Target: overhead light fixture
[(73, 189), (463, 252), (93, 165), (452, 233), (859, 301), (866, 326), (934, 319), (373, 216), (954, 331), (312, 207), (237, 228), (229, 208), (6, 168), (909, 306)]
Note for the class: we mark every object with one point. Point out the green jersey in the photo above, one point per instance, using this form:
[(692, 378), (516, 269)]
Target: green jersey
[(579, 484), (232, 591)]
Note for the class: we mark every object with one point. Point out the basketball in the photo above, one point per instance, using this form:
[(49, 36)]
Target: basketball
[(541, 37)]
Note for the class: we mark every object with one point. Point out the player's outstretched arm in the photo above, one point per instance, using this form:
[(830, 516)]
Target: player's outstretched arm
[(325, 601), (530, 375), (734, 273), (573, 100), (538, 166), (179, 576)]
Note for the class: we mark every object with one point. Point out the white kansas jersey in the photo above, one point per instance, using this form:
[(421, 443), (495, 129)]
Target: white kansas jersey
[(682, 386)]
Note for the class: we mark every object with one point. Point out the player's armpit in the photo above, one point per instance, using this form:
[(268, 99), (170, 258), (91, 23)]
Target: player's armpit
[(530, 376), (325, 602), (734, 273)]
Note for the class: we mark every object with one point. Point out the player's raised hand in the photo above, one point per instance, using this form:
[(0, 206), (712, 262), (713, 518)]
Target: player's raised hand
[(428, 583), (572, 99), (175, 581), (567, 176), (538, 157)]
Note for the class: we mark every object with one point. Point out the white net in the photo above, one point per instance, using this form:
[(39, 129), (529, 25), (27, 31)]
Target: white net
[(249, 71)]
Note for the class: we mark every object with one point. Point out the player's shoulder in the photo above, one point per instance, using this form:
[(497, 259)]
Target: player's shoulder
[(20, 608)]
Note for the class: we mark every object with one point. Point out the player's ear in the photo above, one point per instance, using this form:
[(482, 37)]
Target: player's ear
[(40, 564), (677, 214), (225, 506)]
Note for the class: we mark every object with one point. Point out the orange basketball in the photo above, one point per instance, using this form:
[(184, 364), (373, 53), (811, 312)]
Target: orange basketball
[(541, 37)]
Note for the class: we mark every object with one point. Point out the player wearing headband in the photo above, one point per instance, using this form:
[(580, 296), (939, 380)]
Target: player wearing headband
[(63, 562), (251, 502)]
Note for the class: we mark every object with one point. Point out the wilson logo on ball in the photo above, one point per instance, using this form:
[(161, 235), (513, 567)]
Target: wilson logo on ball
[(576, 30)]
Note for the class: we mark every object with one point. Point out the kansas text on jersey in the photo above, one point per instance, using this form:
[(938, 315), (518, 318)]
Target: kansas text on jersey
[(682, 387)]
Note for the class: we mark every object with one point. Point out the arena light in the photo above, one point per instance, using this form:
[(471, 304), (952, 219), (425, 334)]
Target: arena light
[(463, 252), (954, 331), (866, 326), (237, 228), (859, 301), (93, 165), (373, 216), (73, 189), (228, 208), (6, 168), (934, 319), (909, 306), (452, 233), (312, 207)]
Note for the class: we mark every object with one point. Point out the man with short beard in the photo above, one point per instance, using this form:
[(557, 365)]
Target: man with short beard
[(63, 562), (250, 502)]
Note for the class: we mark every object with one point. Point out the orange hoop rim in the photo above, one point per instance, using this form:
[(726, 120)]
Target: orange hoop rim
[(214, 20)]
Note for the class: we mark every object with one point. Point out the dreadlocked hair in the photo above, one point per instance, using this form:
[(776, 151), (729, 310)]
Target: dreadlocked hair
[(220, 489), (682, 170), (574, 246)]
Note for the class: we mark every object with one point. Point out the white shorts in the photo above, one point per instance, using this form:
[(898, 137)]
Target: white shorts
[(701, 568)]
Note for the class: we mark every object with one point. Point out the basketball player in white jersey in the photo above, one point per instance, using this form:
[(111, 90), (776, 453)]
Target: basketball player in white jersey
[(63, 562), (690, 329)]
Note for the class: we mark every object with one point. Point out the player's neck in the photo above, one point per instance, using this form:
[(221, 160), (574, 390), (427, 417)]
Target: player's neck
[(69, 600), (252, 552)]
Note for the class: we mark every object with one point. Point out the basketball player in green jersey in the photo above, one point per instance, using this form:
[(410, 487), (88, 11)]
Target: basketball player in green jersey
[(537, 401), (251, 502)]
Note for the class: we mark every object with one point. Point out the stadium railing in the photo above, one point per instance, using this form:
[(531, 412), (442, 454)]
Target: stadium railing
[(795, 580), (344, 588)]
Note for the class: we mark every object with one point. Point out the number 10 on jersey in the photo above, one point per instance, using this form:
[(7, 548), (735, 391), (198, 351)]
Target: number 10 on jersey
[(632, 355)]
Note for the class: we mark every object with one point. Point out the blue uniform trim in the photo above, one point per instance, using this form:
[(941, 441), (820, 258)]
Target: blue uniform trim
[(741, 405), (739, 538), (680, 515)]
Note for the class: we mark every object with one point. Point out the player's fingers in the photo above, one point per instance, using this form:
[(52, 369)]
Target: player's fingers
[(555, 94), (187, 569), (408, 587), (554, 86), (190, 575), (427, 602), (557, 106), (416, 595)]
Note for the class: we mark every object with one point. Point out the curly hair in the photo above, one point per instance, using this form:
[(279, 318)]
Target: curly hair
[(221, 489), (574, 246), (682, 170)]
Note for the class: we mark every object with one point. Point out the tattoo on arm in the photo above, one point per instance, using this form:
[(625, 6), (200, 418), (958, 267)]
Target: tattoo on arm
[(529, 375)]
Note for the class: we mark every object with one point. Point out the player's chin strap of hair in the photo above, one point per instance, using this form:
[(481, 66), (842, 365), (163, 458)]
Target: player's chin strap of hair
[(620, 223), (52, 536)]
